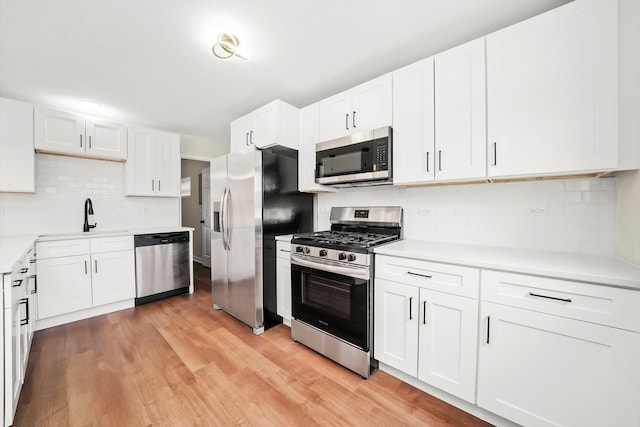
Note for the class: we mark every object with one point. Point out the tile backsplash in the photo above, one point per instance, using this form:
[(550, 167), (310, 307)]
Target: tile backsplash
[(565, 215), (63, 184)]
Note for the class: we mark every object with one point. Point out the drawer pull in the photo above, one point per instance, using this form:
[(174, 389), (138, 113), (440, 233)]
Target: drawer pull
[(548, 297), (285, 250), (418, 274), (24, 270), (17, 283)]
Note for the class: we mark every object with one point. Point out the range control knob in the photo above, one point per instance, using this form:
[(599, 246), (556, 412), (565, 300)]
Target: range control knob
[(306, 250), (323, 252), (299, 249), (351, 257), (342, 256)]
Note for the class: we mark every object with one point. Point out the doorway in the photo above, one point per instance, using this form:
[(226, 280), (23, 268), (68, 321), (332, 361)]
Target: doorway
[(195, 206)]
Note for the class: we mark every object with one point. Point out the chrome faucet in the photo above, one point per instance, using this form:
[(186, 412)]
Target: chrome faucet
[(88, 210)]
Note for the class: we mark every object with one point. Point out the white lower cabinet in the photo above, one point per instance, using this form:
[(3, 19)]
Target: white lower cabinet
[(75, 275), (424, 332), (542, 369), (283, 281), (65, 285)]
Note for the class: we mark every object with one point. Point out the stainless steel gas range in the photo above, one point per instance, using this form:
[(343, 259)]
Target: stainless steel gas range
[(331, 283)]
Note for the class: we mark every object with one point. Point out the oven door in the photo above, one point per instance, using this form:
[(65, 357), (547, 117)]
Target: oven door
[(334, 303)]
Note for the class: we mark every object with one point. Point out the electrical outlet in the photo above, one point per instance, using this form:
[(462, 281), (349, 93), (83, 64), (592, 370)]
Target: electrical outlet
[(425, 211), (536, 211)]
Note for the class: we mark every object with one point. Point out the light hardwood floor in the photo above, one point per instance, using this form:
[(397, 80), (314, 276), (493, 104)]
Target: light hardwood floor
[(178, 362)]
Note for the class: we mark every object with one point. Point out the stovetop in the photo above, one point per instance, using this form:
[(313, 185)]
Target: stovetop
[(347, 240)]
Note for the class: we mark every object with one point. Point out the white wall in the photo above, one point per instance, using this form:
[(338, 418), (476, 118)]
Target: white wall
[(628, 216), (202, 148), (63, 184), (579, 214)]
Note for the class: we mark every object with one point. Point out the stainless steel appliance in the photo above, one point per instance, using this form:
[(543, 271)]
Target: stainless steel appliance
[(255, 198), (331, 284), (355, 160), (162, 265)]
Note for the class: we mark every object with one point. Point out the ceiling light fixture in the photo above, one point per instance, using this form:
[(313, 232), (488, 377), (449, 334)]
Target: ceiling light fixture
[(227, 47)]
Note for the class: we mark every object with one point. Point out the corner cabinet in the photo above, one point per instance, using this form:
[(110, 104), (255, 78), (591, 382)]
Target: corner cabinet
[(425, 322), (556, 352), (153, 164), (364, 107), (60, 132), (554, 92), (17, 160), (275, 123)]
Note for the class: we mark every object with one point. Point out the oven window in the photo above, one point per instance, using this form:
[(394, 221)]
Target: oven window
[(328, 296)]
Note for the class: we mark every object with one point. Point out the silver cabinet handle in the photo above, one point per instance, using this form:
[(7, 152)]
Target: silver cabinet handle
[(246, 139), (95, 264), (354, 119), (440, 160), (158, 185), (153, 185), (80, 140), (251, 138), (25, 301), (35, 283), (17, 283), (410, 308), (427, 161), (346, 121), (89, 141), (418, 274), (85, 267)]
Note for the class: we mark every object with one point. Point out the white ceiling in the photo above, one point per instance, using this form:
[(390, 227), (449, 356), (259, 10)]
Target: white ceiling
[(149, 62)]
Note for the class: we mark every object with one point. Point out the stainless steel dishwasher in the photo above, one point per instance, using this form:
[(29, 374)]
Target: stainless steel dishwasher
[(162, 265)]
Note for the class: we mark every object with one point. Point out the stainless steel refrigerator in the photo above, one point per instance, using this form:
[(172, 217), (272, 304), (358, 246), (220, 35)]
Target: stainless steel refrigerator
[(255, 197)]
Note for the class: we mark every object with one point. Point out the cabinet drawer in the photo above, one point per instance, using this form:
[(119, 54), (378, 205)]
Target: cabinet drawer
[(453, 279), (111, 244), (60, 248), (576, 300), (283, 249)]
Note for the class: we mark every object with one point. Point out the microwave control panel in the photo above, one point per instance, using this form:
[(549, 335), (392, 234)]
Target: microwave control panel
[(381, 159)]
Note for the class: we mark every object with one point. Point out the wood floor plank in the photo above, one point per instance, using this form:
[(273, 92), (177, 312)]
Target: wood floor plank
[(179, 362)]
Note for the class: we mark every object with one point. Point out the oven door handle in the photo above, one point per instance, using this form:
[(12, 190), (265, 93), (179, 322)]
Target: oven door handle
[(356, 272)]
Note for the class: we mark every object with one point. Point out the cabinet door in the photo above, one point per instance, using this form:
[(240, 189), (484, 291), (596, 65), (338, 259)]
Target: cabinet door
[(413, 123), (59, 132), (335, 116), (460, 112), (140, 166), (16, 354), (283, 286), (371, 104), (240, 132), (396, 325), (113, 277), (17, 164), (106, 139), (167, 155), (552, 92), (265, 126), (64, 285), (544, 370), (448, 343), (309, 137)]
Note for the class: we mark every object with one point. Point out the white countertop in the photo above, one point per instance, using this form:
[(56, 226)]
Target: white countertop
[(586, 268), (285, 237), (14, 246)]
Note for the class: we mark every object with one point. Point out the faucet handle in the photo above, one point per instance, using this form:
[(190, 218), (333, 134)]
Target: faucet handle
[(93, 225)]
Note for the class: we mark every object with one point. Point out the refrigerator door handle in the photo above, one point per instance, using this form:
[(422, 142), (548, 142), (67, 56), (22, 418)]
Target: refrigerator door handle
[(227, 228), (221, 219)]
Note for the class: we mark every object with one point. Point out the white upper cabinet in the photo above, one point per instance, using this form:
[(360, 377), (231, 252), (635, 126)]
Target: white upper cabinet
[(460, 113), (413, 123), (153, 165), (17, 172), (72, 134), (309, 137), (275, 123), (553, 92), (364, 107)]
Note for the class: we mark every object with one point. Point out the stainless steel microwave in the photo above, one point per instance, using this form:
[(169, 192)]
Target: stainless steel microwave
[(355, 160)]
